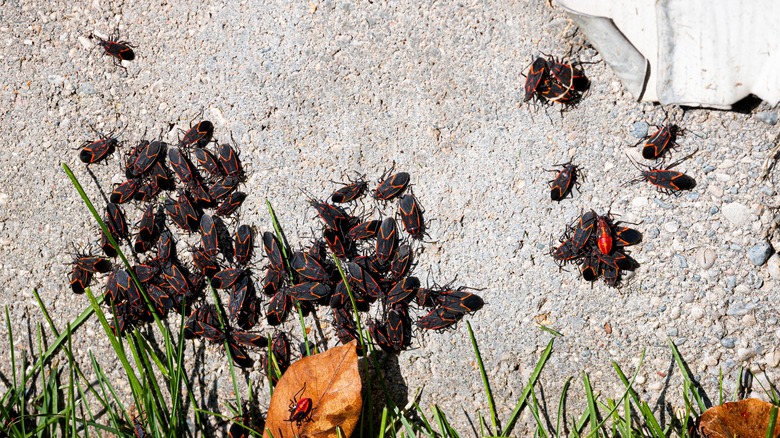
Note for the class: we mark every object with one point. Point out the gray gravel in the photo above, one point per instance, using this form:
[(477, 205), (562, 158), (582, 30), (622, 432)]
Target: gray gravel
[(314, 91)]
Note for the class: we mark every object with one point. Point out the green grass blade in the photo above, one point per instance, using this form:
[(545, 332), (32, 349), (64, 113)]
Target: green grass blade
[(485, 380), (770, 429), (592, 411), (561, 404), (686, 374), (528, 388), (534, 407)]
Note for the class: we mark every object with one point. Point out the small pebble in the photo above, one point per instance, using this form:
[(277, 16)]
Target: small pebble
[(663, 204), (672, 332), (681, 261), (705, 257), (689, 297), (671, 226), (639, 129), (652, 233), (739, 309), (714, 209), (731, 282), (692, 196), (773, 266), (736, 213), (708, 168), (639, 201), (759, 254), (674, 314), (728, 342), (768, 117)]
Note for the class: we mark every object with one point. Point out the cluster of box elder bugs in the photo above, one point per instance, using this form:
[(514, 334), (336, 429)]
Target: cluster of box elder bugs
[(550, 80), (597, 245), (192, 188)]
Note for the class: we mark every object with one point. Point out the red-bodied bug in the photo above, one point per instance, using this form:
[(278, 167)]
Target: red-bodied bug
[(278, 308), (92, 152), (458, 301), (411, 216), (308, 267), (386, 241), (391, 186), (107, 246), (536, 73), (349, 192), (563, 182), (552, 91), (205, 264), (115, 220), (401, 263), (438, 319), (244, 244), (209, 162), (667, 181), (166, 247), (271, 246), (365, 230), (92, 264), (228, 157), (231, 204), (227, 278), (126, 286), (209, 235), (310, 291), (335, 241), (583, 230), (198, 135), (118, 50), (146, 158), (625, 236), (223, 187), (403, 291), (125, 191), (300, 410), (132, 155), (661, 141), (79, 279), (181, 165), (591, 267), (141, 246), (138, 428), (604, 241), (272, 281)]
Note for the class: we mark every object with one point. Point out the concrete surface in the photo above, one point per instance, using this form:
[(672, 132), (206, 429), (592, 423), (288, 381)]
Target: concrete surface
[(311, 91)]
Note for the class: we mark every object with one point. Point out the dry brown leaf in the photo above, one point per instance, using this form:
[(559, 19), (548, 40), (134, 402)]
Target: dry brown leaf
[(332, 383), (744, 419)]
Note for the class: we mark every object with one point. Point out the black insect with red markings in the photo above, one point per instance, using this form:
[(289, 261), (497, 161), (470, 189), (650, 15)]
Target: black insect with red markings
[(118, 50), (198, 135), (661, 141), (666, 180), (244, 247), (349, 192), (564, 181), (386, 241), (536, 75), (411, 216), (98, 150), (391, 186)]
